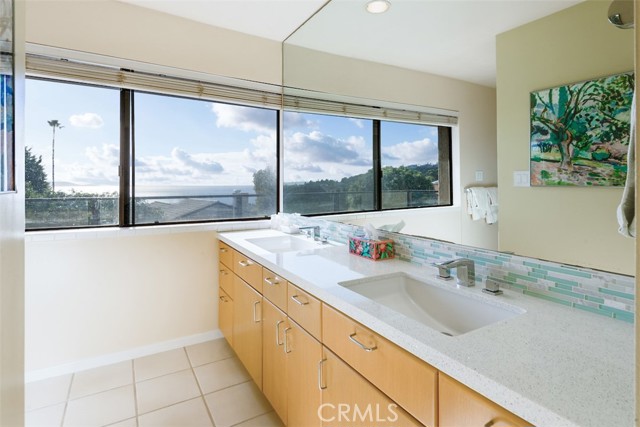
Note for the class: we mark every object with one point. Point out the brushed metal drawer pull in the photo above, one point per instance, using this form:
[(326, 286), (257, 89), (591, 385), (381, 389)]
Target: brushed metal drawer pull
[(222, 298), (352, 337), (246, 263), (278, 323), (497, 421), (297, 299), (320, 376), (286, 340), (254, 312), (223, 250), (271, 282), (224, 272)]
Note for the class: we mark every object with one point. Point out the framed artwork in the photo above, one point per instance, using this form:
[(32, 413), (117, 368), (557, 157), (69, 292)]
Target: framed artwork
[(580, 132), (7, 110)]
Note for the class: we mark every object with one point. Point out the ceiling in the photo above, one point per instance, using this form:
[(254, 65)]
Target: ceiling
[(454, 38)]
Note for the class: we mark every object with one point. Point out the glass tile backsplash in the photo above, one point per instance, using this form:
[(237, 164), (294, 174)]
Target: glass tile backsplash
[(607, 294)]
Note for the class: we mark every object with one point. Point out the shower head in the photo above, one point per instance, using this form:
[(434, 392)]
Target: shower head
[(621, 13)]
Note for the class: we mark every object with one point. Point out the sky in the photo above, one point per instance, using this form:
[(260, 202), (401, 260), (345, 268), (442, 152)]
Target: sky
[(182, 141)]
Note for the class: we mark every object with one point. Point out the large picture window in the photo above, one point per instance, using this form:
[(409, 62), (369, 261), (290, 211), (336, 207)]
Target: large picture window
[(199, 160), (115, 147)]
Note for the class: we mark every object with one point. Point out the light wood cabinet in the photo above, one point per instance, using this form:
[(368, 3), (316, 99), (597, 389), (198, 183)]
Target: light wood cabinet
[(349, 400), (247, 328), (459, 406), (225, 254), (225, 316), (274, 359), (225, 279), (249, 270), (407, 380), (304, 354), (274, 288), (305, 309)]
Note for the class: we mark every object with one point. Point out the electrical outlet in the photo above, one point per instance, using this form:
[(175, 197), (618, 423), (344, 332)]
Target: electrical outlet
[(479, 176), (521, 178)]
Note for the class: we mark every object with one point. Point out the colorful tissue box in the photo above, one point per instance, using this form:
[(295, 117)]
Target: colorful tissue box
[(372, 249)]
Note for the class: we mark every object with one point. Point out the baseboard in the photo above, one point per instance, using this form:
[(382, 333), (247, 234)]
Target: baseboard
[(108, 359)]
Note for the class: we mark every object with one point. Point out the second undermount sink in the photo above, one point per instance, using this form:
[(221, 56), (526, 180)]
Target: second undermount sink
[(447, 311), (279, 244)]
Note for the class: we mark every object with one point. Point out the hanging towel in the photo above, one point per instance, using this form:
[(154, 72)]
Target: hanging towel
[(626, 209), (482, 203)]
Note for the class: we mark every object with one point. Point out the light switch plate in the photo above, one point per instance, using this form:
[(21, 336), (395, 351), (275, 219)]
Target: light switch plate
[(521, 178), (479, 176)]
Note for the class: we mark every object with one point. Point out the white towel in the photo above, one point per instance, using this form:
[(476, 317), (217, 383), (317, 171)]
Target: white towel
[(626, 209), (482, 203)]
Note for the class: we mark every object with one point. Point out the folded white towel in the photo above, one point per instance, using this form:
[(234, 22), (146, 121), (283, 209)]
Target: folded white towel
[(482, 203)]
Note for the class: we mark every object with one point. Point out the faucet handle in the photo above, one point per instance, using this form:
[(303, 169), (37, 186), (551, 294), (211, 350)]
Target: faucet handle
[(491, 287), (444, 272)]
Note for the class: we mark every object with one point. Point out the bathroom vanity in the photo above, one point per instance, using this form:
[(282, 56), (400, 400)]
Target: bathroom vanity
[(318, 328)]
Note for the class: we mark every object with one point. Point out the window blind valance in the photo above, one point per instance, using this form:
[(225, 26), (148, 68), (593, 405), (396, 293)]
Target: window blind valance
[(83, 72)]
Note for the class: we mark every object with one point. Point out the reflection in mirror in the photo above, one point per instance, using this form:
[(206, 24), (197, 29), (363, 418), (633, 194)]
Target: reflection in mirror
[(479, 67)]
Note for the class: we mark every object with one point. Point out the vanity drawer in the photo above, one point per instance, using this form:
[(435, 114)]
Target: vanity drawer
[(274, 288), (305, 310), (225, 254), (247, 269), (225, 279), (407, 380)]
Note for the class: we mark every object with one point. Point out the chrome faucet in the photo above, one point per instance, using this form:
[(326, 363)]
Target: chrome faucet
[(465, 271), (314, 231)]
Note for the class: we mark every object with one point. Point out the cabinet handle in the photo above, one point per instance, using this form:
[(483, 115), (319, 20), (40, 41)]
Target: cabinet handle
[(271, 282), (297, 299), (497, 422), (222, 298), (224, 272), (278, 343), (320, 376), (256, 320), (353, 339), (246, 263), (286, 340), (223, 250)]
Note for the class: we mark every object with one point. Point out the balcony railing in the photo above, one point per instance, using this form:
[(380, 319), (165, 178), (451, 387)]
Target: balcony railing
[(76, 212)]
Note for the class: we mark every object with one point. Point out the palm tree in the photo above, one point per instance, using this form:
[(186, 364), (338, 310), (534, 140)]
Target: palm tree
[(54, 124)]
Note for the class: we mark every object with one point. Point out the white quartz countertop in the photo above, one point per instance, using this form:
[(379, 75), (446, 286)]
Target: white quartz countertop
[(553, 365)]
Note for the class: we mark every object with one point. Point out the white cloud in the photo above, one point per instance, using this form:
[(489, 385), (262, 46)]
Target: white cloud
[(317, 147), (200, 164), (411, 153), (86, 120), (358, 122), (247, 119)]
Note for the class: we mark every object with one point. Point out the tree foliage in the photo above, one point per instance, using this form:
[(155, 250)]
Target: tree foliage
[(572, 118), (35, 177)]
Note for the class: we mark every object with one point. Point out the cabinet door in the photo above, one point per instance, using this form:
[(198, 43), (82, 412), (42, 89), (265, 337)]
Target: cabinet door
[(350, 400), (304, 354), (274, 288), (225, 254), (274, 361), (225, 316), (407, 380), (459, 406), (305, 309), (225, 279), (247, 328), (249, 270)]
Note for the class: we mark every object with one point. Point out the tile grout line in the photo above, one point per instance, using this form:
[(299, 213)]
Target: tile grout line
[(66, 403), (204, 402), (135, 391)]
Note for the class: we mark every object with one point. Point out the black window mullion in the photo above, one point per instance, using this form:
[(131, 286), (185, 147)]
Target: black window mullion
[(126, 155), (445, 190), (377, 167)]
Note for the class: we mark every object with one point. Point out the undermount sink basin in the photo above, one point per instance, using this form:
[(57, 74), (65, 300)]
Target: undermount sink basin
[(279, 244), (441, 309)]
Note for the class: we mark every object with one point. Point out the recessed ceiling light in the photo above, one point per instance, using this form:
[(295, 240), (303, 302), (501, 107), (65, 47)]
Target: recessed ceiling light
[(378, 6)]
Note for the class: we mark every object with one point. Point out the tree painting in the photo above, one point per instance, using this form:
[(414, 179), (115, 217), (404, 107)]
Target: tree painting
[(580, 132)]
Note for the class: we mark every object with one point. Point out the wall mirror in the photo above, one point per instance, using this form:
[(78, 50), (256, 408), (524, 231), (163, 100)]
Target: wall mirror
[(440, 57)]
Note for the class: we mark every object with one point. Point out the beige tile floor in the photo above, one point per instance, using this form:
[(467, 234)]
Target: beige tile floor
[(199, 386)]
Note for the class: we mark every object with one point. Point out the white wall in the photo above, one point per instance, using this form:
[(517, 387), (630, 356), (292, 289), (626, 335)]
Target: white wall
[(12, 260), (565, 224), (102, 294), (475, 148), (121, 30), (91, 294)]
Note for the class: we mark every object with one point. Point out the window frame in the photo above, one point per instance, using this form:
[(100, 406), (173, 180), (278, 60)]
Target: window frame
[(126, 197)]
